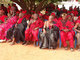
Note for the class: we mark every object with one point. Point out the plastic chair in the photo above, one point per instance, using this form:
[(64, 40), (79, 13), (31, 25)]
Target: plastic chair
[(40, 30)]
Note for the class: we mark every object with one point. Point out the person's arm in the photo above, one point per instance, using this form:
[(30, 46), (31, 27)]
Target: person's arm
[(66, 30), (29, 24), (45, 25), (40, 25), (75, 27)]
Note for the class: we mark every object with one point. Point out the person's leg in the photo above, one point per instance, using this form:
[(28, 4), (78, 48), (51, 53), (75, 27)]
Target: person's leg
[(22, 38), (28, 36), (13, 41), (45, 41), (78, 40), (63, 38), (35, 36), (9, 34), (71, 40)]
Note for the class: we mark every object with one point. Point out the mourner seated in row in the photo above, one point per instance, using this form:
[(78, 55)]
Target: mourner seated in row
[(31, 33), (16, 32), (19, 26), (50, 33)]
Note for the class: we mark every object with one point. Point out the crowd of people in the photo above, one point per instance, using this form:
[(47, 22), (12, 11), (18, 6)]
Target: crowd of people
[(20, 26)]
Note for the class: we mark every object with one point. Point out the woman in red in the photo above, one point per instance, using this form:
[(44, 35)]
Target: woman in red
[(31, 33), (65, 27)]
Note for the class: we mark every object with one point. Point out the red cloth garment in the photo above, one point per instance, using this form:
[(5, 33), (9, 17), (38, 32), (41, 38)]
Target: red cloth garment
[(66, 35), (46, 17), (2, 18), (55, 20), (75, 13), (28, 16), (53, 13), (8, 9), (20, 20), (31, 34), (5, 26)]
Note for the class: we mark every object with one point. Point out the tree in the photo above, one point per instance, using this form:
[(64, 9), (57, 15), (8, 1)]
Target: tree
[(35, 5)]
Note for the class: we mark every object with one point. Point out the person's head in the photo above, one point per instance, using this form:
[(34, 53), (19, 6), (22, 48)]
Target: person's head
[(64, 16), (35, 16), (69, 17), (46, 13), (41, 15), (1, 12), (12, 10), (8, 4), (21, 15), (51, 18), (56, 6), (63, 6), (2, 5), (53, 14), (72, 14), (70, 8), (9, 15)]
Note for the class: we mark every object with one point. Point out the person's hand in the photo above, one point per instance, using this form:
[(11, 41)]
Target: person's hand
[(36, 28), (52, 24), (16, 25), (44, 32), (66, 30), (6, 22), (79, 31)]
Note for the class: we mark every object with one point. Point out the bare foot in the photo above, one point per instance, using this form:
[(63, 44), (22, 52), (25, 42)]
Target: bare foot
[(9, 41), (66, 48), (72, 49), (79, 49), (12, 43)]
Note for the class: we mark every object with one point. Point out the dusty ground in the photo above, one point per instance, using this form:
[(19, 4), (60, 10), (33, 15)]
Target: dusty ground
[(20, 52)]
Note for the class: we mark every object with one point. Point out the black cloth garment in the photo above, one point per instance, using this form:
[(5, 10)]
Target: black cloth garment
[(18, 32), (49, 39)]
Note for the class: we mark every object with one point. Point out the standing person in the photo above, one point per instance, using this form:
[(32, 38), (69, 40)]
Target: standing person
[(8, 24), (31, 33), (65, 27)]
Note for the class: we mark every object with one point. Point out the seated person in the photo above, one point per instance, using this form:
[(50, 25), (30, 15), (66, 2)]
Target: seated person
[(66, 33), (77, 29), (49, 36), (17, 32), (31, 33)]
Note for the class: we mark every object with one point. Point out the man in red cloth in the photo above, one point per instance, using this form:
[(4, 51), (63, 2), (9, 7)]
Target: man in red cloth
[(65, 27), (31, 33)]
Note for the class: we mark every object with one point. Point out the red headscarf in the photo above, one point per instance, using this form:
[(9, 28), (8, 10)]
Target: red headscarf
[(53, 14), (24, 12)]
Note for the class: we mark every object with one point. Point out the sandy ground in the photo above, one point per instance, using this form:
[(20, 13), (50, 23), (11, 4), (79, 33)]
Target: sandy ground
[(21, 52)]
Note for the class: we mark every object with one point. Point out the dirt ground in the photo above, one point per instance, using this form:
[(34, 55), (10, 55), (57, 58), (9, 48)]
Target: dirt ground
[(21, 52)]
